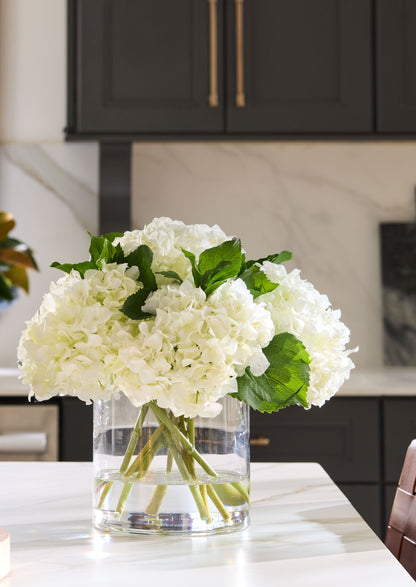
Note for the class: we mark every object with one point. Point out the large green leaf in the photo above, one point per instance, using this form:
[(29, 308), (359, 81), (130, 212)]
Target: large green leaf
[(284, 383)]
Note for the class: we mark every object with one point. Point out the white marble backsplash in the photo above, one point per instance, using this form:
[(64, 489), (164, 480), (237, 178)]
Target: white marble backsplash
[(322, 201), (52, 190)]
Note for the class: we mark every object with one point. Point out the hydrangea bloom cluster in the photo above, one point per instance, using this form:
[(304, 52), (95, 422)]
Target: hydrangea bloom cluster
[(297, 307), (68, 346), (190, 354), (202, 325), (167, 238)]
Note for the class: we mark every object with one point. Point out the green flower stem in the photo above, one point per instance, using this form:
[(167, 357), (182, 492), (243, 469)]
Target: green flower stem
[(123, 498), (191, 430), (241, 490), (217, 502), (143, 467), (138, 461), (186, 476), (178, 435), (160, 491), (204, 495), (104, 494), (137, 432)]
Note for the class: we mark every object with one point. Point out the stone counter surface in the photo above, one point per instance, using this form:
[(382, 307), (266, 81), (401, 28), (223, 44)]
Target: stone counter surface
[(377, 381), (303, 532)]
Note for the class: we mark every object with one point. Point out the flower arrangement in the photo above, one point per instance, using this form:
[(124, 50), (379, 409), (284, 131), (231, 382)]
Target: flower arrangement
[(15, 259), (175, 318)]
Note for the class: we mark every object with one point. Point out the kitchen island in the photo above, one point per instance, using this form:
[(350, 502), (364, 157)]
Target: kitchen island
[(303, 532)]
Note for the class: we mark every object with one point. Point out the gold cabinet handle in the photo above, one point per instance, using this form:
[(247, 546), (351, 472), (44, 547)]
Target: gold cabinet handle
[(213, 54), (240, 98), (260, 441)]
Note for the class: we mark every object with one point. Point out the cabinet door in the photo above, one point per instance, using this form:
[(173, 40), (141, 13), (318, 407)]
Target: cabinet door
[(396, 66), (366, 500), (144, 66), (306, 66), (343, 436), (399, 431)]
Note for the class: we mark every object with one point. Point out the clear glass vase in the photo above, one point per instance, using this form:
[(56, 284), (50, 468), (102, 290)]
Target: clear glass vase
[(158, 474)]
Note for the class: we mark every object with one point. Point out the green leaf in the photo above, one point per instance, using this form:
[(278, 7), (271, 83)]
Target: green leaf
[(96, 248), (5, 290), (216, 265), (80, 267), (219, 273), (228, 252), (195, 271), (132, 307), (110, 236), (284, 383), (274, 258), (118, 255), (171, 275), (256, 281), (142, 257)]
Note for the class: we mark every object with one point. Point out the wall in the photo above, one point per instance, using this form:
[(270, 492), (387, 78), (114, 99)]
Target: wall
[(51, 187), (323, 201)]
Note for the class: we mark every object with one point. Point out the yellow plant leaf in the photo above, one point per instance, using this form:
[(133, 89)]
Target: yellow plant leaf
[(18, 275), (7, 223)]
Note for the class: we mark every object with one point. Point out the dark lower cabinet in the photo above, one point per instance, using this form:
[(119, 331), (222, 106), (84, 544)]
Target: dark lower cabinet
[(343, 436), (367, 500), (399, 420), (361, 442), (75, 430)]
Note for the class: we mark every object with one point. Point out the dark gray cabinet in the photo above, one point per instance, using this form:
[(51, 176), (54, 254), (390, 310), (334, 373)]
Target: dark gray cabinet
[(140, 68), (396, 66), (343, 436), (360, 441), (307, 67)]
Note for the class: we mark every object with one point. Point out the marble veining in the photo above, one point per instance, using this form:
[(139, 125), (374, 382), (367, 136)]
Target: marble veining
[(322, 201), (303, 531), (52, 190)]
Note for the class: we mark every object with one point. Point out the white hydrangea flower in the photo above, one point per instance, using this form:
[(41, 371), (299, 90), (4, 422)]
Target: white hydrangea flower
[(190, 354), (167, 238), (297, 307), (68, 346)]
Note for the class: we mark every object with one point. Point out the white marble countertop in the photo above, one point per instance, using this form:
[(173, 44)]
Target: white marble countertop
[(303, 532), (364, 381)]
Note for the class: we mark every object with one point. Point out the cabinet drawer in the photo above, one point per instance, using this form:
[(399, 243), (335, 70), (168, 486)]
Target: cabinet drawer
[(28, 432), (399, 431), (343, 436)]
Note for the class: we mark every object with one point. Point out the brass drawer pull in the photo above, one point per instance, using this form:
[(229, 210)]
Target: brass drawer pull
[(213, 54), (260, 441), (240, 98)]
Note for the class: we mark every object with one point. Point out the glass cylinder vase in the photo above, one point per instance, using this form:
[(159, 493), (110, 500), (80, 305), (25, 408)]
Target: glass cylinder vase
[(160, 474)]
